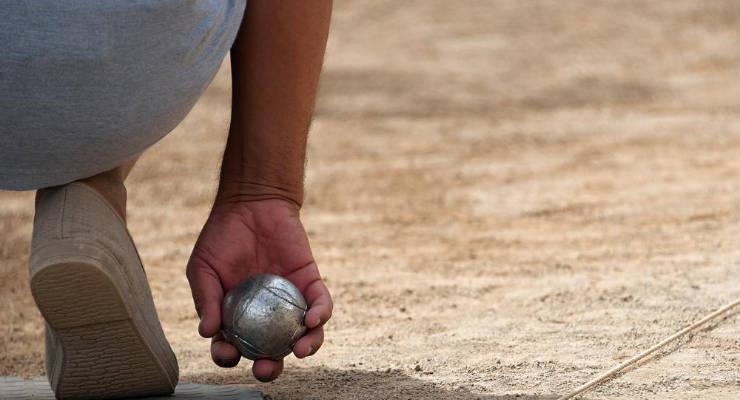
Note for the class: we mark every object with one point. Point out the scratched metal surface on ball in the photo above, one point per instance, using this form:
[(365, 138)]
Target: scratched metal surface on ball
[(263, 316)]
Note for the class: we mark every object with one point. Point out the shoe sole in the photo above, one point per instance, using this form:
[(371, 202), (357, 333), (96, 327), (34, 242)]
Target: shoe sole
[(105, 348)]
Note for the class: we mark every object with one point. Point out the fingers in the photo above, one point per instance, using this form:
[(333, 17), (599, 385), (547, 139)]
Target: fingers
[(320, 307), (309, 343), (223, 353), (267, 370), (207, 292), (227, 356), (320, 304)]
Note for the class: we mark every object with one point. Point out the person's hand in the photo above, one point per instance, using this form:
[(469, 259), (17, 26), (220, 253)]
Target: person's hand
[(244, 238)]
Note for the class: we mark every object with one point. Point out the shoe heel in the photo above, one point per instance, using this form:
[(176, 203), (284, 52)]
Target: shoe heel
[(75, 293), (99, 351)]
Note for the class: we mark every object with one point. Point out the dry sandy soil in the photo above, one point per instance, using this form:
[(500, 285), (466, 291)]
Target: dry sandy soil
[(513, 196)]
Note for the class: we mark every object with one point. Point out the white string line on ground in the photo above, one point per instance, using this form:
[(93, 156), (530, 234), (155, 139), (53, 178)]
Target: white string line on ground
[(608, 374)]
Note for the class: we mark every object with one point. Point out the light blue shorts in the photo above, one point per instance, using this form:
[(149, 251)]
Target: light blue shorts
[(86, 85)]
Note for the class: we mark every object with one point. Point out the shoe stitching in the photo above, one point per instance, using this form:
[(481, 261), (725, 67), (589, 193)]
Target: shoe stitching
[(64, 208)]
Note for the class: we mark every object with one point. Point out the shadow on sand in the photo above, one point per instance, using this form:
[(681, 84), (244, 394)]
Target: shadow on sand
[(326, 383)]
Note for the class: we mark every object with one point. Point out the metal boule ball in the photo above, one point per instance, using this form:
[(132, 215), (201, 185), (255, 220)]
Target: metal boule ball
[(263, 316)]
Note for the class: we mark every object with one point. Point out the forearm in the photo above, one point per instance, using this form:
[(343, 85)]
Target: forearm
[(276, 61)]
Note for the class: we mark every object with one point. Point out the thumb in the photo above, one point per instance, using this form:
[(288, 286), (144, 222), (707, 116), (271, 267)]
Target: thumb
[(207, 291)]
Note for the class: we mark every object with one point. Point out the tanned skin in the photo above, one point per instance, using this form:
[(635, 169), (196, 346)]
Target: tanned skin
[(254, 225)]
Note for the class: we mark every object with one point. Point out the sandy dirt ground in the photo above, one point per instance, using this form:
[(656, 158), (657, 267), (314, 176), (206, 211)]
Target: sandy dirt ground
[(506, 198)]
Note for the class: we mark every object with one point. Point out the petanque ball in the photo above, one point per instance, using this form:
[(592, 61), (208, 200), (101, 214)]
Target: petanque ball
[(263, 316)]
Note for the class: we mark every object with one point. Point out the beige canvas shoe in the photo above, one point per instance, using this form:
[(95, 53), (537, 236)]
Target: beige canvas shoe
[(104, 339)]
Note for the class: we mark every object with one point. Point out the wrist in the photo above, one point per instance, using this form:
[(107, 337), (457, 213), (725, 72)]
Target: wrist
[(248, 190), (256, 168)]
